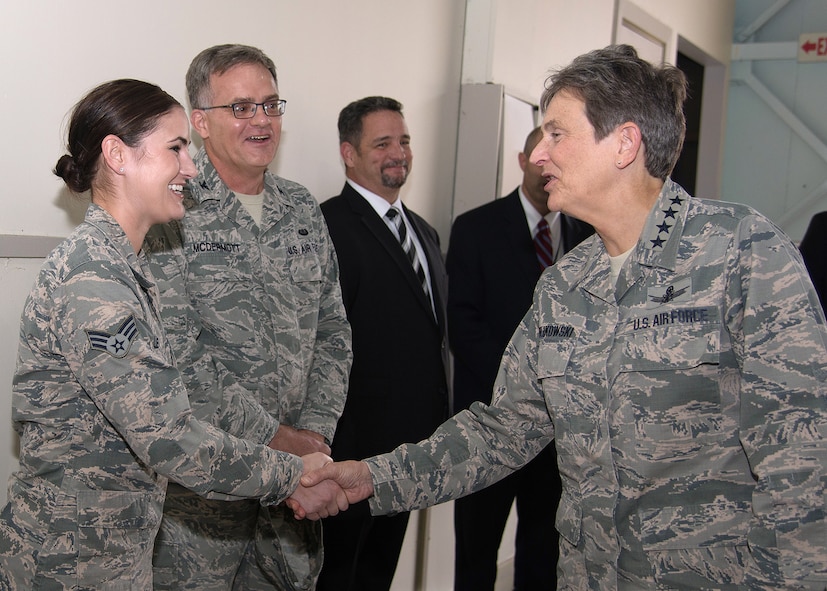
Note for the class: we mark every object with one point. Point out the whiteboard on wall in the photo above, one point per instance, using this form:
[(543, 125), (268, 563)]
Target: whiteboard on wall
[(493, 127), (478, 146)]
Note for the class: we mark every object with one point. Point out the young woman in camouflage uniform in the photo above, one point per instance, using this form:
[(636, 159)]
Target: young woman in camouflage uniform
[(100, 408)]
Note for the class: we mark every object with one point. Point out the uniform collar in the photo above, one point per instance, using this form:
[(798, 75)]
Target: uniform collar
[(660, 239), (101, 219), (208, 186), (657, 246), (379, 204)]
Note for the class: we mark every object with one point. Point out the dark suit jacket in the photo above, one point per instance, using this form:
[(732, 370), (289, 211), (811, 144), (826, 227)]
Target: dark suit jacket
[(492, 266), (814, 251), (398, 390)]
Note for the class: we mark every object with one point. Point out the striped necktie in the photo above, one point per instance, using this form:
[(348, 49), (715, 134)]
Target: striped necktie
[(407, 245), (542, 244)]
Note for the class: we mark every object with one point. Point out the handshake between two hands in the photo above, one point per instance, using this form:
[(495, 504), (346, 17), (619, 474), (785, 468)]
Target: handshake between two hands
[(327, 487)]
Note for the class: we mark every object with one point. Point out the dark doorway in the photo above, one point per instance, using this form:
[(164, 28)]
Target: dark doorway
[(686, 169)]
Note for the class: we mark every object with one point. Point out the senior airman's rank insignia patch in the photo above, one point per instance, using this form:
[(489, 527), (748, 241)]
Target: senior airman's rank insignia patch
[(118, 344)]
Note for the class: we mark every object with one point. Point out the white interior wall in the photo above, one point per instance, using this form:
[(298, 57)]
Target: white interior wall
[(707, 24), (327, 53), (533, 37)]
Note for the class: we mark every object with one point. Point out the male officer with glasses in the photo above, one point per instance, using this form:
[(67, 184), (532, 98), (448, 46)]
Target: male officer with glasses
[(262, 277)]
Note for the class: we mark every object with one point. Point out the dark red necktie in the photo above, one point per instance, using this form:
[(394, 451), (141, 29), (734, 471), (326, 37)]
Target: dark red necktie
[(542, 244)]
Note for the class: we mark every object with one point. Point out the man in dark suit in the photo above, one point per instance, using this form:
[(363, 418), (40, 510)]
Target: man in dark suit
[(394, 294), (493, 267), (814, 252)]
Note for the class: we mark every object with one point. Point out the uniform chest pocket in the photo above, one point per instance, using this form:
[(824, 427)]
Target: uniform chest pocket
[(552, 361), (575, 412), (306, 267), (671, 376), (222, 287), (218, 267), (306, 278), (665, 346)]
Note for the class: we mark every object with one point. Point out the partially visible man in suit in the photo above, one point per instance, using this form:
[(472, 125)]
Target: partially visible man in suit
[(493, 264), (394, 287), (814, 252)]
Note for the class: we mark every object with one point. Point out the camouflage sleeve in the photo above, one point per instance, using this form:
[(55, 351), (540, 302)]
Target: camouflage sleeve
[(332, 356), (215, 395), (778, 336), (476, 447), (143, 397)]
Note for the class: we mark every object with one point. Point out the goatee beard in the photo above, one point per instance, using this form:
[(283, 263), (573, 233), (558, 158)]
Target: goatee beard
[(392, 182)]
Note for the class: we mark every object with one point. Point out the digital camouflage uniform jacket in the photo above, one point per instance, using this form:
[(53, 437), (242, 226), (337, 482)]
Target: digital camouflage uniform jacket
[(104, 420), (267, 308), (215, 394), (687, 405), (269, 298)]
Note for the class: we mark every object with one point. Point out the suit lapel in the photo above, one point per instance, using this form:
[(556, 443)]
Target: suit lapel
[(516, 233), (383, 235), (432, 254)]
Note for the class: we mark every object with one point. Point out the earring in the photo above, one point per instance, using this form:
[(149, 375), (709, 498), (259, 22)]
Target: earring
[(121, 169)]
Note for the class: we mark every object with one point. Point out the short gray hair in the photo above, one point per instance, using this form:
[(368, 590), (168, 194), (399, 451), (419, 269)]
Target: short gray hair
[(617, 86), (217, 60)]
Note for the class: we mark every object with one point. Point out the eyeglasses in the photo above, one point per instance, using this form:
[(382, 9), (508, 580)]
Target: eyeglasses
[(247, 109)]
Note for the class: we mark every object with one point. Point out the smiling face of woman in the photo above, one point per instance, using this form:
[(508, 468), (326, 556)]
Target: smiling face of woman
[(157, 169)]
